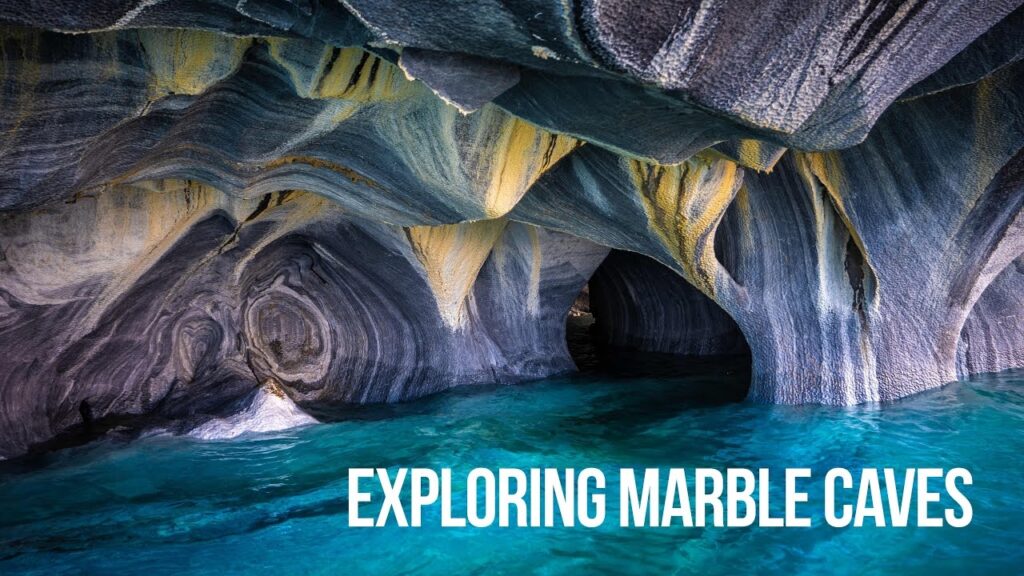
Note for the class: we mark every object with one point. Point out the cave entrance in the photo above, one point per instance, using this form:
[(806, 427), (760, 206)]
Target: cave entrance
[(637, 318), (579, 337), (992, 337)]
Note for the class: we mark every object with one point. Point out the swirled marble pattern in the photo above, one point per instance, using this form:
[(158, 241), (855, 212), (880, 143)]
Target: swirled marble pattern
[(176, 305), (827, 263), (253, 117), (225, 216)]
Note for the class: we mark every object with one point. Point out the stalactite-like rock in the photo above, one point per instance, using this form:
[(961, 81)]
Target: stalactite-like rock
[(253, 119), (452, 257), (777, 264), (960, 199), (831, 257), (863, 292), (669, 213)]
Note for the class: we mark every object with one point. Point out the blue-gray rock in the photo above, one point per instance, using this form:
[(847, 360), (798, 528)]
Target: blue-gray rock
[(219, 212), (467, 82), (174, 305), (992, 338)]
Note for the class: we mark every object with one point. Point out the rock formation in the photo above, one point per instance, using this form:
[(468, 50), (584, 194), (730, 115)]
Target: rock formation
[(992, 339), (214, 213), (179, 303)]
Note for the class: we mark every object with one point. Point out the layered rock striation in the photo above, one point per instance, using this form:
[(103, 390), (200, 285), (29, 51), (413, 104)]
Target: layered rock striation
[(219, 212), (179, 303)]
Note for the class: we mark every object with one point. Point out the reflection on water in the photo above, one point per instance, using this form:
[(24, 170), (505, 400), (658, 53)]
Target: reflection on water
[(276, 503)]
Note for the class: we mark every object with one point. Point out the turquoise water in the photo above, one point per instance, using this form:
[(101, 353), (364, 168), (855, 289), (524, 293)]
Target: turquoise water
[(276, 504)]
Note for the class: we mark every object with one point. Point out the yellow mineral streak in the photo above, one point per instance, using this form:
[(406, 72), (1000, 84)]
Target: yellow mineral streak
[(827, 168), (189, 61), (484, 162), (168, 210), (357, 75), (822, 206), (684, 204), (755, 154), (750, 152), (524, 152), (746, 218), (452, 256), (987, 117), (304, 84)]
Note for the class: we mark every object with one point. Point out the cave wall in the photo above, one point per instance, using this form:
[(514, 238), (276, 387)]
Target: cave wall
[(373, 200), (828, 262), (992, 338), (178, 303)]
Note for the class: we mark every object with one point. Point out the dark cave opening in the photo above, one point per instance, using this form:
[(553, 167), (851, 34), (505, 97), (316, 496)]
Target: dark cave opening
[(637, 318), (578, 334)]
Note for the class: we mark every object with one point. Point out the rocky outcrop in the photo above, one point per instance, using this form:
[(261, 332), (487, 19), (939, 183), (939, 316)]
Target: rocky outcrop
[(992, 339), (325, 21), (218, 213), (181, 303), (827, 263), (817, 81)]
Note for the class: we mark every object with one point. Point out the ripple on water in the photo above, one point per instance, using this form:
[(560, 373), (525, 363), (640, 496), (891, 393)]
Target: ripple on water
[(275, 503)]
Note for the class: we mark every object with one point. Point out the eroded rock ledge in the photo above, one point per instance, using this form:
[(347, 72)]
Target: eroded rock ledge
[(220, 211)]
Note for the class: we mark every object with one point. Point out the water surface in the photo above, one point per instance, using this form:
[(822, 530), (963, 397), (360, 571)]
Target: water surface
[(276, 504)]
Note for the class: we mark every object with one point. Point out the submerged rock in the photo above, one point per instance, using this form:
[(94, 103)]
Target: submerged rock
[(269, 411)]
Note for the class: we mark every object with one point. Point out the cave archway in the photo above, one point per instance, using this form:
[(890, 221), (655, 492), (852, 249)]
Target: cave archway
[(992, 338), (638, 318)]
